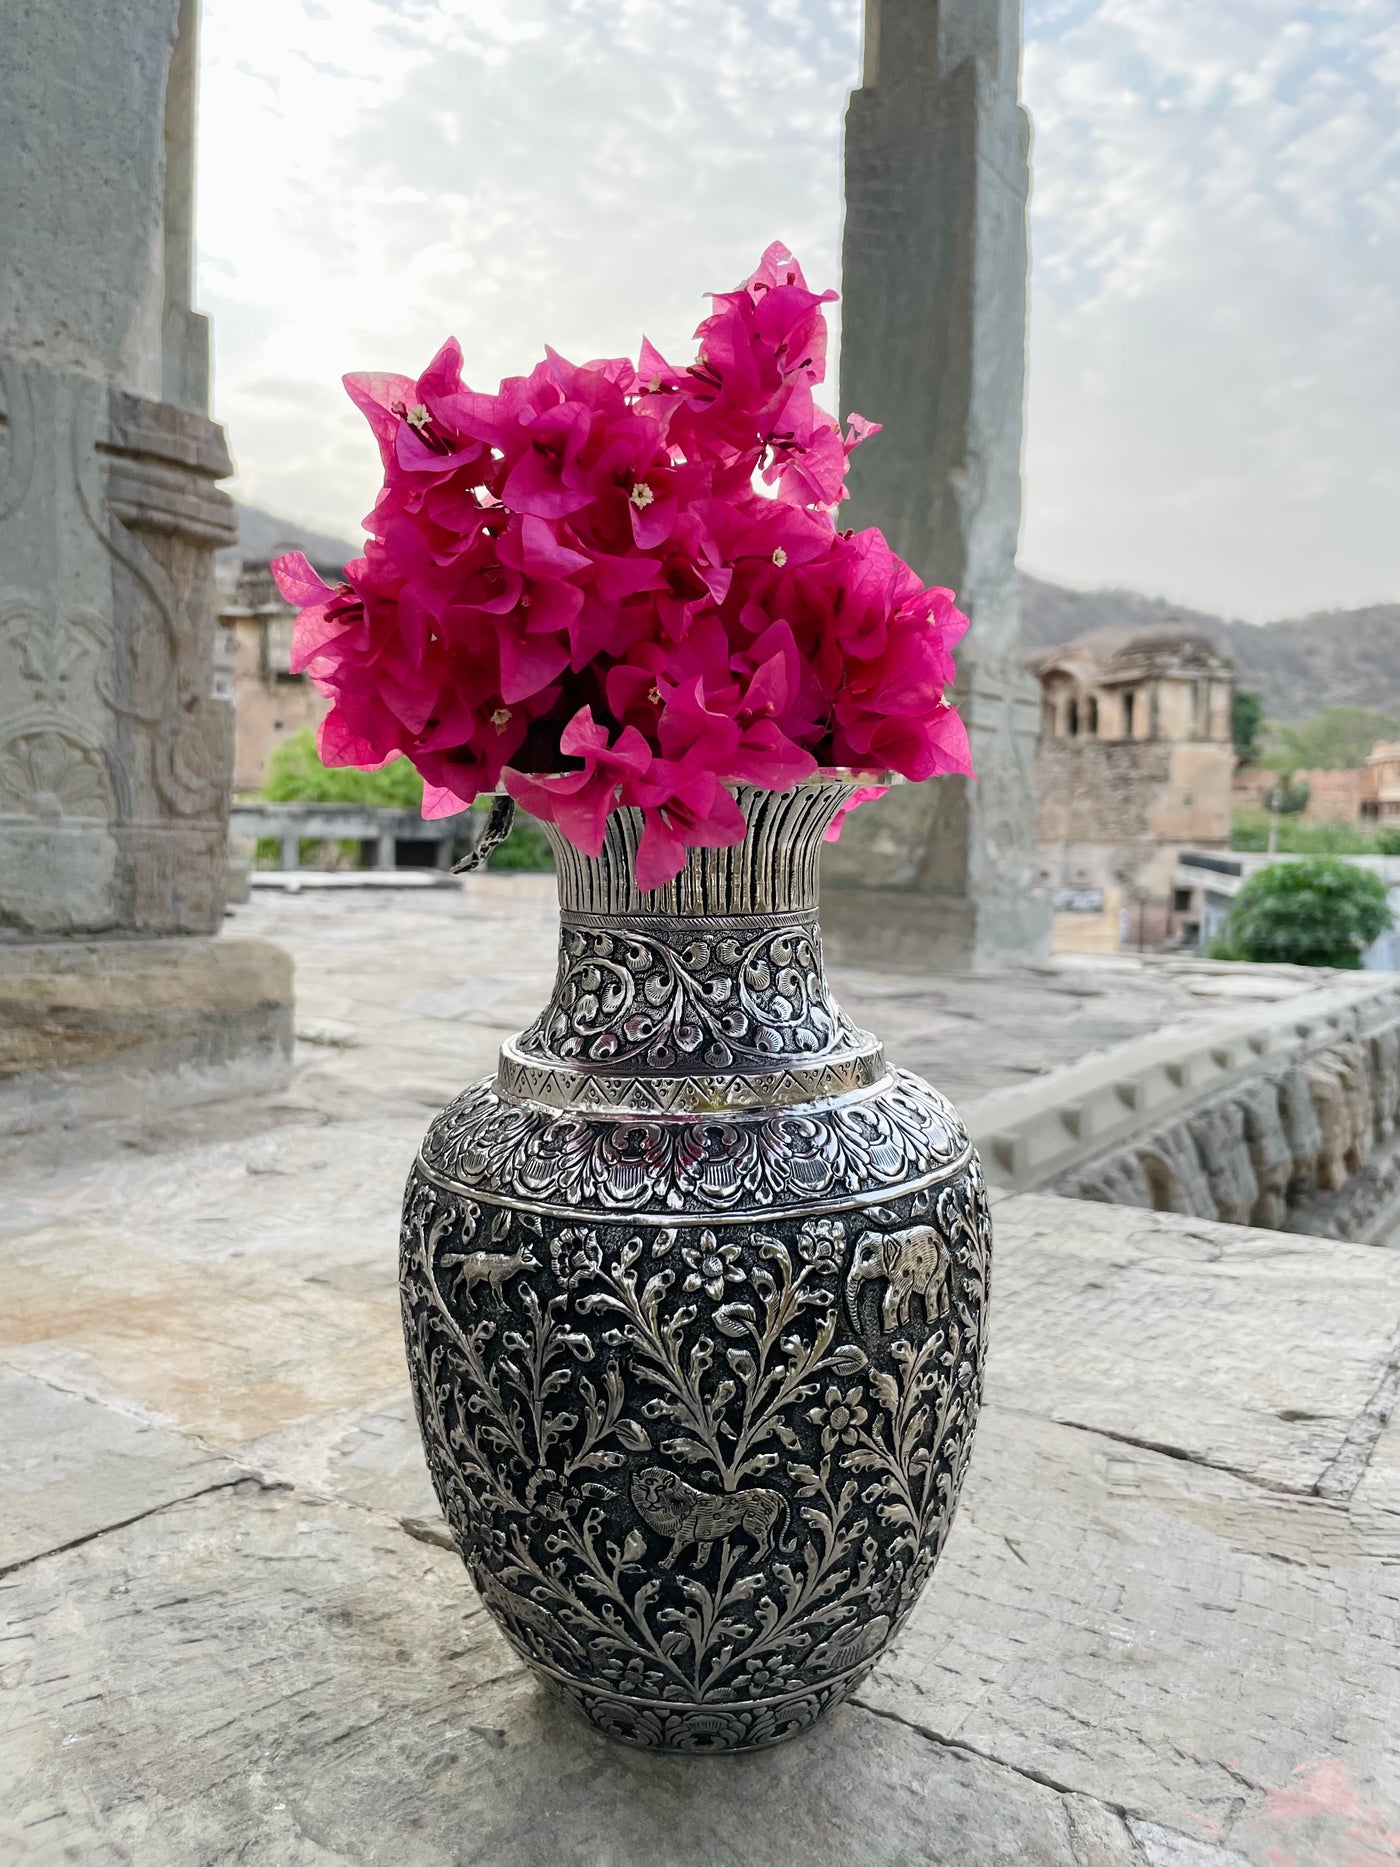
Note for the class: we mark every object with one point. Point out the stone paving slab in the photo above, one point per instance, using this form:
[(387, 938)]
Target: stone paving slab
[(261, 1677), (70, 1468), (1252, 1351), (228, 1351), (244, 1291), (1374, 1504), (1161, 1636), (1164, 1634), (1126, 1654), (371, 1458)]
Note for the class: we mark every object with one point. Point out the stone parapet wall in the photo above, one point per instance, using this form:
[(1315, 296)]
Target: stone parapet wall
[(1307, 1148), (1284, 1117)]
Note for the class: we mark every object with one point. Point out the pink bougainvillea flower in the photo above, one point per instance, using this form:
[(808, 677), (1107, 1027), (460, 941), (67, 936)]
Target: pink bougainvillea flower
[(867, 794), (858, 429), (377, 397), (578, 802), (302, 587), (573, 588), (683, 807)]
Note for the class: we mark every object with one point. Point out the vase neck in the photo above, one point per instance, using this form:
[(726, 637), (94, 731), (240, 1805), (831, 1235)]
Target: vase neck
[(706, 995), (776, 869)]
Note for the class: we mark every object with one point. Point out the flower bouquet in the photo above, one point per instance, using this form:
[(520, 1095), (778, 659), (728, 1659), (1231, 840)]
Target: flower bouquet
[(614, 585)]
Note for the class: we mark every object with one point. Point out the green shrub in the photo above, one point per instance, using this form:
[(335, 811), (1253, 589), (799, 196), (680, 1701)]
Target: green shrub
[(295, 775), (1289, 797), (1310, 913)]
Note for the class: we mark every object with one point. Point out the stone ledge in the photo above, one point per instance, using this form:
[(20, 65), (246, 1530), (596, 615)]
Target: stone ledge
[(1169, 1592), (114, 1027), (1032, 1135)]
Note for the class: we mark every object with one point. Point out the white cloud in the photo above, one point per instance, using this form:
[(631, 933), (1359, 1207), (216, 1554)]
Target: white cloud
[(1214, 374), (576, 175), (1215, 384)]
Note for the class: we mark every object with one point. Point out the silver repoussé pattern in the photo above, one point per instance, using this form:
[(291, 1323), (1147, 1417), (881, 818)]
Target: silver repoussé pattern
[(694, 1295)]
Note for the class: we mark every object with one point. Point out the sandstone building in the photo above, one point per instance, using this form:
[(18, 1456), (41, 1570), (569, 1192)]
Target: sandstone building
[(1335, 795), (1366, 796), (1378, 803), (1134, 764), (269, 701)]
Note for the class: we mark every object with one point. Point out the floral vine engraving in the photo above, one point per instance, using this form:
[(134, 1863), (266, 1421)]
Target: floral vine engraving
[(665, 1000), (690, 1489), (780, 1158)]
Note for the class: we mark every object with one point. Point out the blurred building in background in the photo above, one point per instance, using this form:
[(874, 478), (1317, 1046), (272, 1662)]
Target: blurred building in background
[(269, 701), (1134, 765), (1363, 796), (1378, 792)]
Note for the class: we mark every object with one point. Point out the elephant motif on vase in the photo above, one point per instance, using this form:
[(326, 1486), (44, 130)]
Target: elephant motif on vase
[(913, 1262)]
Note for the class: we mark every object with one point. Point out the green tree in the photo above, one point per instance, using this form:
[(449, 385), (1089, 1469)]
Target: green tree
[(1336, 739), (525, 847), (1289, 796), (1318, 911), (1246, 717)]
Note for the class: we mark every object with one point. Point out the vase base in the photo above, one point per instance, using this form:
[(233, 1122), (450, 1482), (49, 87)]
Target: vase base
[(708, 1729)]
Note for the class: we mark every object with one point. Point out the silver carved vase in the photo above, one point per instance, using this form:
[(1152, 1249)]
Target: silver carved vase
[(694, 1295)]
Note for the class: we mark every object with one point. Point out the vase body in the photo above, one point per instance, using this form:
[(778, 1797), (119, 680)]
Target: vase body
[(694, 1300)]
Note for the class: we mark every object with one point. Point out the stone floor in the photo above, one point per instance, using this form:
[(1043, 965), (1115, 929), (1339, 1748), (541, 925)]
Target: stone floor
[(1164, 1633)]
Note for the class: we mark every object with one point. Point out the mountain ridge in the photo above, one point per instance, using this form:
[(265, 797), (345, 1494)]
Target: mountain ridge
[(1297, 665)]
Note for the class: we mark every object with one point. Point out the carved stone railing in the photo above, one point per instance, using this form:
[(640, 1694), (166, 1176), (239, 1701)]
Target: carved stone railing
[(379, 830), (1283, 1116)]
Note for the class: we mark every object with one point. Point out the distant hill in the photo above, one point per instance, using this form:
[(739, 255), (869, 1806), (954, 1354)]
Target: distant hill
[(1337, 657), (1340, 657), (263, 535)]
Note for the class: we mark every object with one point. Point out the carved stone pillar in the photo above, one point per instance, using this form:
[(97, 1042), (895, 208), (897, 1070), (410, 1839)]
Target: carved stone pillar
[(116, 734), (933, 346), (115, 750)]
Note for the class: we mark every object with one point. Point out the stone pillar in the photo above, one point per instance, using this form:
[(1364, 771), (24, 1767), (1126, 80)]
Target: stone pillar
[(114, 754), (933, 346), (116, 735)]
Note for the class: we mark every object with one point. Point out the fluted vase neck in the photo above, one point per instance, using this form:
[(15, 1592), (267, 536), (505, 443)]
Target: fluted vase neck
[(775, 869)]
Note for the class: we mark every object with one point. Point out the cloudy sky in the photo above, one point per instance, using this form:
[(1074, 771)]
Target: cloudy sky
[(1214, 367)]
